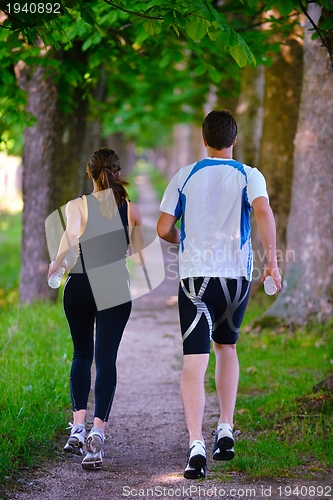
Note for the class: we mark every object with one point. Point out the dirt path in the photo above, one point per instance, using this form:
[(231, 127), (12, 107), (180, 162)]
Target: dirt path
[(145, 449)]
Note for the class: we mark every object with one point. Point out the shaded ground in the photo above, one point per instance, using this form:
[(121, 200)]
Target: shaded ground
[(146, 445)]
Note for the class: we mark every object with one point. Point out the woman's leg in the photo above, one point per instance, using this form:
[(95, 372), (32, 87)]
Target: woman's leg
[(110, 325), (80, 311)]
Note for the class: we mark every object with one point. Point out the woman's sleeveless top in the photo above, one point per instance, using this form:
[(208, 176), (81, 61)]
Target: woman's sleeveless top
[(104, 241)]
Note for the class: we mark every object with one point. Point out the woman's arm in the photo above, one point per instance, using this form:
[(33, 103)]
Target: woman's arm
[(69, 238), (136, 233)]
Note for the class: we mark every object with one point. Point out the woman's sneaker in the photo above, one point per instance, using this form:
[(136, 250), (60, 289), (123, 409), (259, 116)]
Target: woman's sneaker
[(196, 461), (224, 443), (75, 441), (94, 457)]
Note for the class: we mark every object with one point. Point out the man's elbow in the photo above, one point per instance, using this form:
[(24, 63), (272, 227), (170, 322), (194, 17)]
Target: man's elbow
[(162, 231)]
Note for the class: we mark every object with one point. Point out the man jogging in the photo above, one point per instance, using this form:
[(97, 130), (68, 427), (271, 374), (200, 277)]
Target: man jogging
[(214, 198)]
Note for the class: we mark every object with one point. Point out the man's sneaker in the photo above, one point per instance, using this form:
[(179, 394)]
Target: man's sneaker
[(224, 443), (94, 457), (75, 441), (196, 461)]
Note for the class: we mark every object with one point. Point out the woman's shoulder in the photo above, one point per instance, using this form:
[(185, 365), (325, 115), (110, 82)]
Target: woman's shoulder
[(75, 202), (75, 205), (134, 212)]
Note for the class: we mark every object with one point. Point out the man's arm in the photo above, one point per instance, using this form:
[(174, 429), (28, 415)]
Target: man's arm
[(267, 232), (166, 228)]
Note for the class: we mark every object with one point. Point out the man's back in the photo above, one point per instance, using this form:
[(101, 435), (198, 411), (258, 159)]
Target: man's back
[(213, 198)]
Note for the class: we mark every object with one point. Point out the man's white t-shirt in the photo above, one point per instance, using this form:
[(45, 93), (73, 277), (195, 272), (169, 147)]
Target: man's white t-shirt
[(213, 199)]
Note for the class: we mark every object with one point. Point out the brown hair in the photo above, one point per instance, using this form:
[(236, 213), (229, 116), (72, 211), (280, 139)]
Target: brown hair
[(219, 129), (104, 167)]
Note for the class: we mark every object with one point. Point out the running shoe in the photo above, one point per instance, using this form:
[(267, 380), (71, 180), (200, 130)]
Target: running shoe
[(76, 439), (223, 443), (196, 461), (94, 457)]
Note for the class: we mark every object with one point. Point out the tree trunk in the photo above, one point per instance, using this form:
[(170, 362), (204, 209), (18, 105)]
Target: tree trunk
[(54, 160), (38, 158), (281, 105), (249, 116), (69, 131), (93, 135), (308, 281)]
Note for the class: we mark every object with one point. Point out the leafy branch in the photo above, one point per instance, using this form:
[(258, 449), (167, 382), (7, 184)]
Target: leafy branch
[(140, 14)]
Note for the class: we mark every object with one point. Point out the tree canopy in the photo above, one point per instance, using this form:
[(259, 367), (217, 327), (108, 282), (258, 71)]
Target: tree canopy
[(184, 48)]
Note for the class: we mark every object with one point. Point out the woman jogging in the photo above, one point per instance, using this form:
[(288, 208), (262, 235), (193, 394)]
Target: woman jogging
[(101, 225)]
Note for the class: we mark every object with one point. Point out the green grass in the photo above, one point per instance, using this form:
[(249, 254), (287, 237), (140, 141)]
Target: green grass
[(284, 426), (35, 361)]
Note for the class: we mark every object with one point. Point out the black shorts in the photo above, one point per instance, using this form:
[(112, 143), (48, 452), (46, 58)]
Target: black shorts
[(211, 309)]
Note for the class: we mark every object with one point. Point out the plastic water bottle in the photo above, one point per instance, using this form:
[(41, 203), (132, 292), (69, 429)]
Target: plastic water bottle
[(270, 286), (55, 278)]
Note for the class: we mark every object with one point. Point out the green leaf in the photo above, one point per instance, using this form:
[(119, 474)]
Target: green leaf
[(99, 29), (224, 36), (238, 55), (270, 5), (327, 24), (169, 18), (152, 26), (327, 4), (286, 7), (181, 21), (252, 3), (87, 14), (165, 61), (142, 36), (47, 38), (176, 29), (214, 35), (215, 75), (7, 77), (200, 69), (241, 52), (196, 29), (70, 3), (87, 44), (12, 40)]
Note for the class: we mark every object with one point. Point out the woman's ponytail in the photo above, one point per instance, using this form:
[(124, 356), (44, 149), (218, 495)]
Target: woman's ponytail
[(104, 166)]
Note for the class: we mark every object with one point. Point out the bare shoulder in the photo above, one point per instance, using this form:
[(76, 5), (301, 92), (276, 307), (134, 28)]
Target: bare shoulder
[(74, 206), (135, 213)]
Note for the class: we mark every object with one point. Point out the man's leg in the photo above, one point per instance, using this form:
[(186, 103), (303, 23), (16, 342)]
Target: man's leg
[(193, 393), (226, 380)]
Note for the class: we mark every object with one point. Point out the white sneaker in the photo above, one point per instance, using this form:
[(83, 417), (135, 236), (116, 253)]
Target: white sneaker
[(76, 439), (224, 443), (94, 457), (196, 461)]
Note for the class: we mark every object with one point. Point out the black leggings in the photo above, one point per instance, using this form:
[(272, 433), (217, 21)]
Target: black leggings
[(81, 313)]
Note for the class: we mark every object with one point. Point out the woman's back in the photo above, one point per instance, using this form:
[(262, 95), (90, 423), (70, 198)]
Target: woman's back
[(105, 239)]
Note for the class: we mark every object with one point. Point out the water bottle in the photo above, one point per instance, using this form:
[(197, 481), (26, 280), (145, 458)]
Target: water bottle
[(55, 278), (270, 286)]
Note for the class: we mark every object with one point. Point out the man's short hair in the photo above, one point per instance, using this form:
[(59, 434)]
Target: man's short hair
[(219, 129)]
